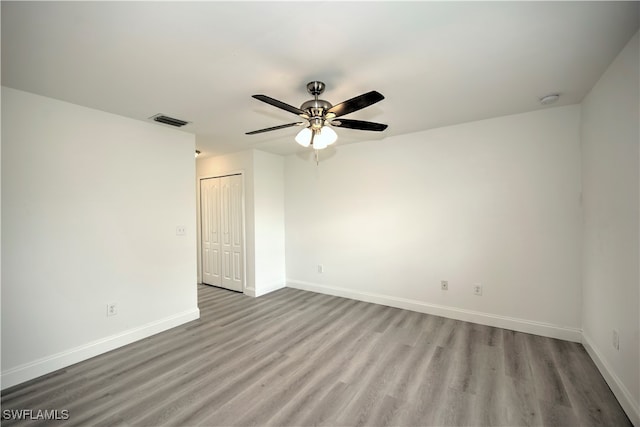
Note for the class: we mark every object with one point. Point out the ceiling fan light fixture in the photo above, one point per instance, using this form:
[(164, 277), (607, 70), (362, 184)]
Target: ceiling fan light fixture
[(322, 137), (304, 137), (326, 134)]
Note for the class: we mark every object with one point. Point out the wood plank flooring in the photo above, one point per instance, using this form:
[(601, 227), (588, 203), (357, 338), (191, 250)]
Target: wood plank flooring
[(296, 358)]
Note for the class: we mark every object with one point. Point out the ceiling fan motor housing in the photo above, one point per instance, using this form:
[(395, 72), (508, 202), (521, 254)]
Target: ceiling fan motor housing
[(316, 109), (316, 104)]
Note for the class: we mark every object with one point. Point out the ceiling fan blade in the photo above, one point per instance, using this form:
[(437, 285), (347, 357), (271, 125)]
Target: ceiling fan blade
[(355, 104), (359, 125), (279, 104), (288, 125)]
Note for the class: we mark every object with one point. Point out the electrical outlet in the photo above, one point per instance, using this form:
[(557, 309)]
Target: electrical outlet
[(112, 309), (615, 339), (320, 268), (477, 289), (181, 230), (444, 285)]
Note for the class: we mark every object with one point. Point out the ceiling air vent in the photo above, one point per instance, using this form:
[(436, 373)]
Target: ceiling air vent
[(168, 120)]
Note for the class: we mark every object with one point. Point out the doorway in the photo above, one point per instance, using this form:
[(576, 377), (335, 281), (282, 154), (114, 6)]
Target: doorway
[(222, 237)]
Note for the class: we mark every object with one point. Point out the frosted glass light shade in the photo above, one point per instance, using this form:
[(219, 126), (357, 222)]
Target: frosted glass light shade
[(323, 138), (319, 143), (304, 137), (327, 134)]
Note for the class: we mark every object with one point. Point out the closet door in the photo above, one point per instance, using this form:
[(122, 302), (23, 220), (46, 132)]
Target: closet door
[(231, 216), (211, 245), (222, 233)]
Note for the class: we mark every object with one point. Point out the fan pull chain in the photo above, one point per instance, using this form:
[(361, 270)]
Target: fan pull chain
[(317, 157)]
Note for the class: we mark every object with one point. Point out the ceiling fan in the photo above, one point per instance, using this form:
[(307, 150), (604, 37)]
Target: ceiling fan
[(319, 115)]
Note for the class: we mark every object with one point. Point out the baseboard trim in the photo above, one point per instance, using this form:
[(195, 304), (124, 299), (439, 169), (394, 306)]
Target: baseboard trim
[(618, 388), (265, 289), (516, 324), (46, 365)]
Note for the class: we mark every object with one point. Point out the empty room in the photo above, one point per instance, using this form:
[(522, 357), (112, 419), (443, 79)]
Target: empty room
[(328, 213)]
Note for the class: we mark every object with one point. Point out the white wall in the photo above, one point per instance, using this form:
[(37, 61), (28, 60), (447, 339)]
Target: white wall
[(494, 202), (90, 205), (610, 159), (264, 214), (268, 196)]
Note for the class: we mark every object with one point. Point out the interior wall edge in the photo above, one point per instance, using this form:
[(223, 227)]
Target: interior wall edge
[(269, 287), (488, 319), (618, 388), (46, 365)]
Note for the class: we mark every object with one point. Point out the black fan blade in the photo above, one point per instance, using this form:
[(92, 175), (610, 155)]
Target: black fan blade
[(279, 104), (359, 125), (355, 104), (288, 125)]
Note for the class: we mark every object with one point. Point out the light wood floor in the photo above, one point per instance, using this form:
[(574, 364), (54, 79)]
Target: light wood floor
[(298, 358)]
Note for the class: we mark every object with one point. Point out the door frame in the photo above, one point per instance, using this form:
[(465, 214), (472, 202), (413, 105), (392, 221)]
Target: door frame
[(199, 224)]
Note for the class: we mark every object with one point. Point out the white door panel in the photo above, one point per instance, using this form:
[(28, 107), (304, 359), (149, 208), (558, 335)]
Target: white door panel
[(222, 237), (210, 244)]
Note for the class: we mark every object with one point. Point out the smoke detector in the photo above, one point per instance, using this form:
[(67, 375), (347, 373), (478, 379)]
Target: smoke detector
[(549, 99)]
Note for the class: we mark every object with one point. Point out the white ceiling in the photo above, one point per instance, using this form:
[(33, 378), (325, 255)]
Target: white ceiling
[(437, 63)]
